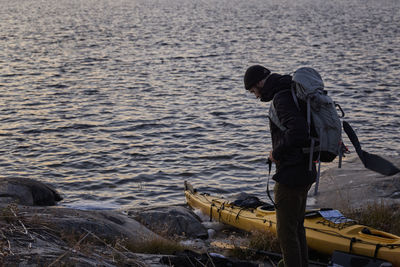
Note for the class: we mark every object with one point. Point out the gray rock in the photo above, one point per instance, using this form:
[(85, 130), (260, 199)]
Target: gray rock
[(171, 221), (28, 192), (108, 225), (353, 186), (39, 236)]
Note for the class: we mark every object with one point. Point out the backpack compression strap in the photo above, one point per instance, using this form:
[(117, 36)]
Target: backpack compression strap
[(313, 140)]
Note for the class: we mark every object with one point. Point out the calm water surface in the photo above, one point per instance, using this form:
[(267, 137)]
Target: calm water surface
[(117, 102)]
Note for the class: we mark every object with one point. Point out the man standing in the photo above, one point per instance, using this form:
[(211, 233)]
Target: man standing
[(293, 177)]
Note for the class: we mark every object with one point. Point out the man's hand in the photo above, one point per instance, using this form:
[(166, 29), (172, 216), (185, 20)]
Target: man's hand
[(272, 158)]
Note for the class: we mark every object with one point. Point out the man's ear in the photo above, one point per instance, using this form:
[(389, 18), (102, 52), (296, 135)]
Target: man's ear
[(260, 84)]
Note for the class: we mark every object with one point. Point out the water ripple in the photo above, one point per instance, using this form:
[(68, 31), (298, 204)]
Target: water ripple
[(116, 103)]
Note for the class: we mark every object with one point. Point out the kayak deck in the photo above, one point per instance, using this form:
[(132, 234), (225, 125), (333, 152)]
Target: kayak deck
[(324, 236)]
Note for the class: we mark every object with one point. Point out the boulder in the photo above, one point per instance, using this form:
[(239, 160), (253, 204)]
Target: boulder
[(28, 192), (171, 221)]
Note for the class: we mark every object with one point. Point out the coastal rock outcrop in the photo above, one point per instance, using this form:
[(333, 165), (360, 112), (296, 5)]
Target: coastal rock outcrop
[(28, 192), (171, 221), (108, 225), (59, 236), (353, 186)]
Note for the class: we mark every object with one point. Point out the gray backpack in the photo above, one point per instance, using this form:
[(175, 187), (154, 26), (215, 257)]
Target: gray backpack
[(321, 110)]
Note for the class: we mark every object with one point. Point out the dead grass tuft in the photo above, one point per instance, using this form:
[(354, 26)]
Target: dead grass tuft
[(8, 213), (265, 240), (257, 242), (379, 215)]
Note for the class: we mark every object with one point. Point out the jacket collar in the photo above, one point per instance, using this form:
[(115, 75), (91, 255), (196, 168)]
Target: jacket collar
[(275, 83)]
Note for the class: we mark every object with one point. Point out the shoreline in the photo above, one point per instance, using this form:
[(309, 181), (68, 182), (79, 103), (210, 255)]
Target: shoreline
[(59, 236)]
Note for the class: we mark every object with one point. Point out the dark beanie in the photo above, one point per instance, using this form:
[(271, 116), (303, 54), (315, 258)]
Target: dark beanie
[(254, 74)]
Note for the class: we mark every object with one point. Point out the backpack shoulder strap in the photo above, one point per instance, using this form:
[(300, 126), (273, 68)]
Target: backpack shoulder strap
[(273, 115), (295, 97)]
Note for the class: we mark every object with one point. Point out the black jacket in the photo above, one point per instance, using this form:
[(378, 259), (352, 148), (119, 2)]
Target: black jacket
[(293, 167)]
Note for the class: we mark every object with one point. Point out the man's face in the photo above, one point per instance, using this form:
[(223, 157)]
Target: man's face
[(256, 90)]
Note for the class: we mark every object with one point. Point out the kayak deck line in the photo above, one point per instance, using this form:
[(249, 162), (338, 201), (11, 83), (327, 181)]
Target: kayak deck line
[(322, 235)]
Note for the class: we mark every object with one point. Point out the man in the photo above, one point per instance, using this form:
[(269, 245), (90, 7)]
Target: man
[(293, 176)]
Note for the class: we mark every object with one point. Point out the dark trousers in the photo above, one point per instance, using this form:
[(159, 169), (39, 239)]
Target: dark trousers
[(291, 205)]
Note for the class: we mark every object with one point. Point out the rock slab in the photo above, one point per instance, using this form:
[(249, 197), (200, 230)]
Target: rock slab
[(353, 186), (172, 221)]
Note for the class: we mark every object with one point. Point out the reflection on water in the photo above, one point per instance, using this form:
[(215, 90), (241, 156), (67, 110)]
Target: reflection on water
[(118, 102)]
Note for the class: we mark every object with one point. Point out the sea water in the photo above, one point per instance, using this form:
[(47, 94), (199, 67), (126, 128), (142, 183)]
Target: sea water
[(117, 102)]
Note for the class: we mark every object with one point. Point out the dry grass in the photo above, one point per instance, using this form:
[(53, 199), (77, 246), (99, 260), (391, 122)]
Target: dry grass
[(265, 240), (379, 215), (8, 213), (258, 241)]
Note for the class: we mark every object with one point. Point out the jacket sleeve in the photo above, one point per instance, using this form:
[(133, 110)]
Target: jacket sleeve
[(296, 134)]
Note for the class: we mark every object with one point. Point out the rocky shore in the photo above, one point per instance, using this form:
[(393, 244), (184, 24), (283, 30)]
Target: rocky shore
[(35, 232)]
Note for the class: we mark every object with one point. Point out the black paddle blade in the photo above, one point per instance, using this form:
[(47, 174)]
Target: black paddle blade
[(379, 164), (370, 161)]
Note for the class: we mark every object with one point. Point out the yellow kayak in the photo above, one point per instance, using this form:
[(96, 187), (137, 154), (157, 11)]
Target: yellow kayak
[(325, 234)]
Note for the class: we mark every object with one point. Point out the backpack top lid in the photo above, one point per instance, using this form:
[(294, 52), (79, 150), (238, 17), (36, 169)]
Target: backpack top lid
[(308, 78)]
